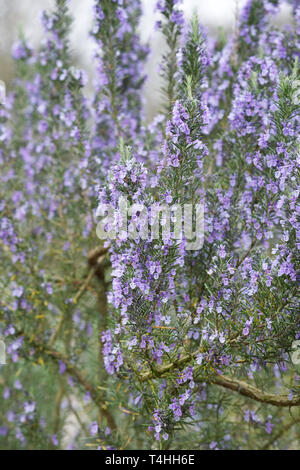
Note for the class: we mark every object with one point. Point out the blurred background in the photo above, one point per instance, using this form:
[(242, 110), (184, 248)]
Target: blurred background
[(24, 16)]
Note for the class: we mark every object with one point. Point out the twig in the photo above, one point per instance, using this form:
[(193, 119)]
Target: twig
[(280, 433), (81, 424), (84, 286)]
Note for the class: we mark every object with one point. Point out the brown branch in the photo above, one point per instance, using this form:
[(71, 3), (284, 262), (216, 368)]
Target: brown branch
[(241, 387), (279, 434), (85, 284), (169, 367), (95, 261), (252, 392), (56, 331), (58, 401), (95, 254), (95, 258), (245, 256), (73, 371)]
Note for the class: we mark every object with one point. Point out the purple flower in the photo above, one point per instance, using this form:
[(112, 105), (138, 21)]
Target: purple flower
[(94, 428)]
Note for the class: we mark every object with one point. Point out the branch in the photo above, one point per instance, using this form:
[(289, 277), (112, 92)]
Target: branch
[(279, 434), (72, 370), (97, 262), (239, 386), (254, 393), (169, 367), (95, 254)]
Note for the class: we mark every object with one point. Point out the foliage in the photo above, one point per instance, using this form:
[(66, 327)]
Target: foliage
[(142, 341)]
